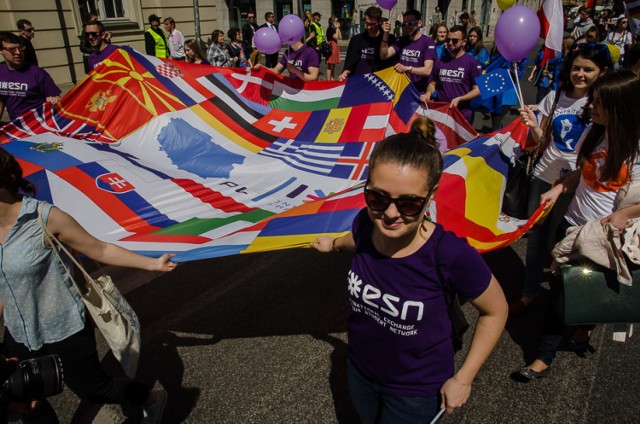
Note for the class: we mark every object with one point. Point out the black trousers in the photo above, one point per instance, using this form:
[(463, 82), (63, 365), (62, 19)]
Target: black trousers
[(82, 371)]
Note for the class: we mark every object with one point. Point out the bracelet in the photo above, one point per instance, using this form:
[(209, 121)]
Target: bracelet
[(333, 246), (466, 385)]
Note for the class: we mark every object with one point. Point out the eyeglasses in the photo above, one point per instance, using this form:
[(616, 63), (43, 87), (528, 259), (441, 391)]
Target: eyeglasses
[(92, 34), (251, 17), (29, 29), (409, 24), (452, 40), (371, 24), (624, 22), (407, 205), (14, 49)]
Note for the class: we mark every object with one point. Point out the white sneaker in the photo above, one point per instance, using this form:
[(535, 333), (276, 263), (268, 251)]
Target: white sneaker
[(153, 414)]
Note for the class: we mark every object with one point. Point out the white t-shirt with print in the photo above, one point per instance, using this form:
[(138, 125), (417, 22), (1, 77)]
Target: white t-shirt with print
[(559, 158), (595, 198)]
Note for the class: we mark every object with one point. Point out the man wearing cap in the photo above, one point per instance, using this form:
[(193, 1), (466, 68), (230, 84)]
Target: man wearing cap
[(316, 27), (270, 60), (155, 43), (24, 86)]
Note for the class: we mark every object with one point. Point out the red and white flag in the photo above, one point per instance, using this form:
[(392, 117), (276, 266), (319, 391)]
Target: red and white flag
[(551, 28)]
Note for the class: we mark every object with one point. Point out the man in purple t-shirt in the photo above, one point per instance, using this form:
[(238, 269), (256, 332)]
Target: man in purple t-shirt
[(22, 86), (301, 61), (95, 33), (417, 51), (455, 75)]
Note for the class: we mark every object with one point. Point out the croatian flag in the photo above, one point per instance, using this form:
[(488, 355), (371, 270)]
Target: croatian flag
[(551, 27)]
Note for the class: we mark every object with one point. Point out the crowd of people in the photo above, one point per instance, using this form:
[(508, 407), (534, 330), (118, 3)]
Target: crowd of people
[(584, 123)]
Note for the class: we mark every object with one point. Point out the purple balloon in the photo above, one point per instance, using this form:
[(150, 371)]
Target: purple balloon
[(387, 4), (267, 40), (291, 29), (517, 33)]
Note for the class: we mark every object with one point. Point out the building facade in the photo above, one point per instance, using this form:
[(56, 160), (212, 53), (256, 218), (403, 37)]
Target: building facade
[(59, 23)]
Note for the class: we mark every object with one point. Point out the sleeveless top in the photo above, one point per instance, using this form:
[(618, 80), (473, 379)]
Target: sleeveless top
[(41, 305)]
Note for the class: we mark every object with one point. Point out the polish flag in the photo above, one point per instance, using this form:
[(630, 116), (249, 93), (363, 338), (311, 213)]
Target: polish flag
[(551, 27)]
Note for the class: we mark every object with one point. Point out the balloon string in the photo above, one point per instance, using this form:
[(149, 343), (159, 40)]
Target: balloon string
[(519, 92)]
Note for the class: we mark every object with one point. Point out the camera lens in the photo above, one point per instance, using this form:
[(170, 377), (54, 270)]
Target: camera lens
[(36, 378)]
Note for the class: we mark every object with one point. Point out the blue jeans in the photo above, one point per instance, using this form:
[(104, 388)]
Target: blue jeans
[(541, 241), (376, 405)]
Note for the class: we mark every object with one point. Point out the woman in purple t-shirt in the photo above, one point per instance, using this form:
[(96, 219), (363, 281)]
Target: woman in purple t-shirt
[(405, 268)]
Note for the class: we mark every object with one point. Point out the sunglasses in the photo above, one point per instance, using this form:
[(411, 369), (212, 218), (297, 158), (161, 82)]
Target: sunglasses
[(92, 34), (14, 49), (250, 17), (409, 24), (407, 205), (452, 40)]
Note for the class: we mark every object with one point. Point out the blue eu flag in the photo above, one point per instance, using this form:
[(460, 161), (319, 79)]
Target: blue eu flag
[(494, 83)]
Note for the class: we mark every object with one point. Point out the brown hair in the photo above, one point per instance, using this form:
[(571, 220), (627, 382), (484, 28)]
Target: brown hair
[(11, 175)]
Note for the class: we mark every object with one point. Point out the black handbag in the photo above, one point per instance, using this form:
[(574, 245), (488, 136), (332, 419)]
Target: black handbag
[(591, 294), (325, 49), (516, 192)]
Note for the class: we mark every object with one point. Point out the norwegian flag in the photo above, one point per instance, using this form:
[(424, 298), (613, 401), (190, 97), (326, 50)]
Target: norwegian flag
[(47, 119), (551, 27)]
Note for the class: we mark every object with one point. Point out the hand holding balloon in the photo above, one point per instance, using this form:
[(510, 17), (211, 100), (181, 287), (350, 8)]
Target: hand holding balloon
[(387, 4)]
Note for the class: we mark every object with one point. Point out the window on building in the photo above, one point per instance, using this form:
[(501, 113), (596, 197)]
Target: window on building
[(106, 9)]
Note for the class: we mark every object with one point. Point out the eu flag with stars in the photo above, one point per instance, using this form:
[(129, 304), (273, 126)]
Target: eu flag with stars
[(494, 83)]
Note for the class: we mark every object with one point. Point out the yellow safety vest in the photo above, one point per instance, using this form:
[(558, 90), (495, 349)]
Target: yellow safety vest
[(162, 50), (319, 32)]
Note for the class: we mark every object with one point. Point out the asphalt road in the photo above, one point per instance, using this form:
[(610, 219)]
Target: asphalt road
[(261, 339)]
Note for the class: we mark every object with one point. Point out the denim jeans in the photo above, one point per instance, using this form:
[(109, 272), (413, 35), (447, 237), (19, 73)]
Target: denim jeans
[(376, 405), (541, 241)]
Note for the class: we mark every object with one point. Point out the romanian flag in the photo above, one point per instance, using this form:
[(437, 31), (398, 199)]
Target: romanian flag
[(162, 156)]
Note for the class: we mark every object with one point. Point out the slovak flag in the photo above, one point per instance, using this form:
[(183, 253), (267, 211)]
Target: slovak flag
[(113, 183), (551, 27)]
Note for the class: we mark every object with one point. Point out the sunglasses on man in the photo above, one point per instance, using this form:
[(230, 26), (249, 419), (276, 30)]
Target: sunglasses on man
[(452, 40), (409, 24)]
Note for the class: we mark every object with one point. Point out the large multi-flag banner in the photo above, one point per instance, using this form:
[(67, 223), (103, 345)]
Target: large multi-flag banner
[(162, 156)]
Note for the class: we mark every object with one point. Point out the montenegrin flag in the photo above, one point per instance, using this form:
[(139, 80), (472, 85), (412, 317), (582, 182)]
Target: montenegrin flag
[(165, 156)]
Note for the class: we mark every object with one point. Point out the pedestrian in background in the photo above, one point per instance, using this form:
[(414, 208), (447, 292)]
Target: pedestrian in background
[(355, 23), (248, 32), (193, 53), (155, 42), (271, 60), (217, 54), (27, 33), (334, 34), (175, 39), (236, 48)]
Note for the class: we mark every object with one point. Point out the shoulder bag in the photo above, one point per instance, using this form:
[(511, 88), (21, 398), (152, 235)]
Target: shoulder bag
[(591, 294), (110, 311)]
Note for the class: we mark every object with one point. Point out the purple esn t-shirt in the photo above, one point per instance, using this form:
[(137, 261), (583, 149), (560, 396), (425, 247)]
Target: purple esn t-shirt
[(95, 58), (23, 89), (399, 327), (305, 59), (414, 53), (455, 78)]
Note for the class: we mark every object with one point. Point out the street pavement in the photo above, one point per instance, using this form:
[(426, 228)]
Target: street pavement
[(261, 338)]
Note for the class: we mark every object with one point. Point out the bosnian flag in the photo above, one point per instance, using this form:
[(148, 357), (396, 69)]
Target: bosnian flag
[(551, 27)]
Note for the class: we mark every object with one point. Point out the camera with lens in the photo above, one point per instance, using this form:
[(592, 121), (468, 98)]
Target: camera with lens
[(28, 380)]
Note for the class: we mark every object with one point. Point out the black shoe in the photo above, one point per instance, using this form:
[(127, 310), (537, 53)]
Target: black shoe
[(582, 349), (530, 374)]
